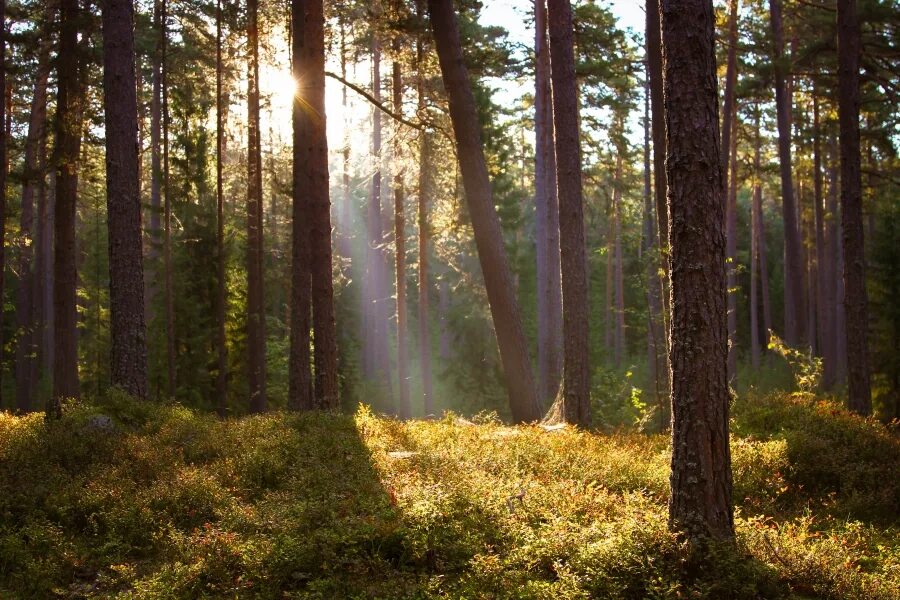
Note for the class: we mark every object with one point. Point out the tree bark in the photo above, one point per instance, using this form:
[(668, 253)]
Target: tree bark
[(700, 503), (547, 248), (855, 300), (123, 202), (731, 249), (425, 194), (3, 162), (824, 297), (757, 253), (69, 114), (312, 92), (221, 344), (793, 279), (618, 265), (26, 305), (498, 281), (300, 396), (574, 396), (155, 164), (405, 409), (256, 317), (167, 205)]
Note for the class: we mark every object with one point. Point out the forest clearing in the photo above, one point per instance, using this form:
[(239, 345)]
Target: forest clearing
[(450, 299)]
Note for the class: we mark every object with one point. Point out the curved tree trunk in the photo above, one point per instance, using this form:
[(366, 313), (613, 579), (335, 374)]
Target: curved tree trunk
[(700, 502), (855, 300), (123, 201), (485, 223)]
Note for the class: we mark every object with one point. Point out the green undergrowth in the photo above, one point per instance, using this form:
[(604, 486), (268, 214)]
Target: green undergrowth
[(165, 502)]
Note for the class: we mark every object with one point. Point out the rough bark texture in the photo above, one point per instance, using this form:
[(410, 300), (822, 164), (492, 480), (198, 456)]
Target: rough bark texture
[(425, 194), (549, 290), (221, 347), (256, 317), (168, 275), (123, 203), (155, 166), (793, 279), (29, 282), (404, 408), (855, 300), (701, 486), (576, 387), (731, 253), (312, 92), (3, 160), (485, 223), (69, 113)]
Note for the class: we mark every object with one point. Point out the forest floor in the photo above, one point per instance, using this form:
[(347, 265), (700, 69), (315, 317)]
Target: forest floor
[(164, 502)]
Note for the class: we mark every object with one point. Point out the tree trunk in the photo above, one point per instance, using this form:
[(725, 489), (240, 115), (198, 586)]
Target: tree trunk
[(828, 277), (123, 201), (523, 400), (221, 345), (167, 206), (155, 164), (574, 402), (618, 266), (256, 324), (757, 252), (47, 210), (425, 194), (3, 153), (731, 249), (69, 114), (312, 92), (300, 395), (855, 301), (700, 502), (26, 348), (549, 290), (793, 279), (405, 409)]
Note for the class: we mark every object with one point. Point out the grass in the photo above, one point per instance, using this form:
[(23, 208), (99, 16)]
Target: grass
[(171, 503)]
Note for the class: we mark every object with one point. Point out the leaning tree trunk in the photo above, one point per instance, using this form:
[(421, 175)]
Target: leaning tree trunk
[(123, 201), (576, 387), (549, 290), (256, 325), (404, 407), (855, 300), (27, 347), (69, 113), (793, 278), (300, 395), (312, 93), (498, 281), (700, 502)]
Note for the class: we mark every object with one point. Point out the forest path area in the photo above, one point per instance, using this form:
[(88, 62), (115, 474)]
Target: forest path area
[(165, 502)]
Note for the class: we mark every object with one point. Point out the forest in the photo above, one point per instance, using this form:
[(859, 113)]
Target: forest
[(450, 299)]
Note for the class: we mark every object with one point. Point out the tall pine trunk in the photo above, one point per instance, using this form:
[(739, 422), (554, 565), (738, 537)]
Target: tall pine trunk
[(498, 280), (729, 109), (700, 502), (155, 164), (575, 399), (312, 92), (824, 295), (3, 152), (618, 266), (221, 345), (855, 299), (405, 410), (168, 274), (69, 114), (793, 277), (26, 313), (549, 290), (123, 201), (256, 317), (300, 396)]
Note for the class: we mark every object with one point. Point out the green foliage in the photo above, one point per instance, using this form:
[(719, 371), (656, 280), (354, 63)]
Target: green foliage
[(806, 368), (170, 503)]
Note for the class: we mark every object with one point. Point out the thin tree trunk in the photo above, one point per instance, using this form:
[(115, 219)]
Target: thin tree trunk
[(758, 270), (445, 341), (826, 221), (3, 158), (855, 301), (793, 279), (425, 193), (256, 326), (300, 395), (618, 266), (221, 344), (26, 348), (123, 201), (48, 345), (43, 260), (549, 290), (69, 114), (700, 502), (498, 281), (312, 92), (574, 404), (167, 206), (155, 164), (405, 409), (345, 237), (731, 249)]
